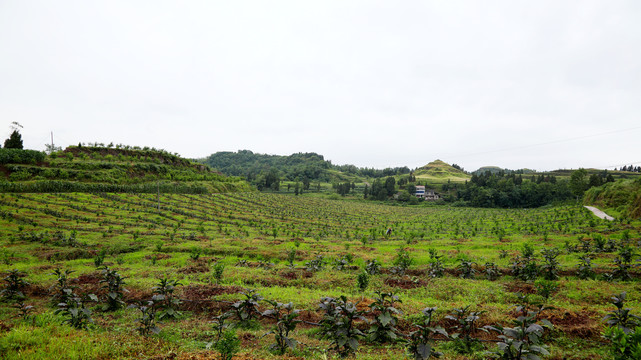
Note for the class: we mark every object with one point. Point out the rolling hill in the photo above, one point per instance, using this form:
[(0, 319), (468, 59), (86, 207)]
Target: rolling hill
[(109, 169)]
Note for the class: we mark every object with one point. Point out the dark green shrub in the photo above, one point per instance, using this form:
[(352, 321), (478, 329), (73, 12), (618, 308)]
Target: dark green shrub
[(218, 270), (403, 260), (112, 283), (228, 345), (247, 309), (523, 341), (623, 264), (621, 317), (285, 316), (546, 288), (14, 285), (75, 312), (465, 329), (466, 269), (362, 281), (550, 267), (373, 267), (491, 271), (421, 340), (584, 270), (62, 290), (383, 328), (147, 319), (338, 323), (315, 264), (624, 346), (164, 301)]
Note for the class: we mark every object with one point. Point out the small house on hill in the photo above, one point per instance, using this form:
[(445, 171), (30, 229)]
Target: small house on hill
[(426, 194)]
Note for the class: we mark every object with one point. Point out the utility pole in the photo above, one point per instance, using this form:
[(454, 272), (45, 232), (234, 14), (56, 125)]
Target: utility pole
[(52, 141)]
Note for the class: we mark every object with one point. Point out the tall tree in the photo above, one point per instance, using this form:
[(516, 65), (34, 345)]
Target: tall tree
[(578, 182), (15, 139)]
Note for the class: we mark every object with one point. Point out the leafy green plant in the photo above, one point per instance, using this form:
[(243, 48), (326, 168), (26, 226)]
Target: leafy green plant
[(546, 288), (315, 264), (220, 325), (112, 283), (584, 270), (147, 319), (247, 309), (362, 281), (343, 262), (75, 311), (621, 317), (373, 267), (14, 285), (218, 270), (195, 253), (550, 266), (285, 316), (338, 323), (491, 271), (421, 340), (403, 260), (164, 301), (435, 268), (62, 290), (383, 328), (24, 310), (527, 251), (524, 268), (623, 264), (228, 345), (465, 329), (466, 269), (624, 346), (523, 341), (99, 258), (291, 257)]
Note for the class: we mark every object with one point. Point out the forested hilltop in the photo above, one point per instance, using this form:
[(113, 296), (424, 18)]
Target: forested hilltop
[(263, 170)]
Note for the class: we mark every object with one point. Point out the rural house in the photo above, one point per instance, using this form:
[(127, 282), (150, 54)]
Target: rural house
[(427, 194)]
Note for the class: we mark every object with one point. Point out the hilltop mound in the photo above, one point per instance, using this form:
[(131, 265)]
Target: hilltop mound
[(440, 170), (109, 169)]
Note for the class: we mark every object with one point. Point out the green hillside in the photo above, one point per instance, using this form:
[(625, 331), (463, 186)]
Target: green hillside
[(440, 171), (109, 169), (622, 197)]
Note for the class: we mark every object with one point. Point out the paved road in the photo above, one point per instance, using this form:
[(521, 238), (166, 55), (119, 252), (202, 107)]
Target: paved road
[(599, 213)]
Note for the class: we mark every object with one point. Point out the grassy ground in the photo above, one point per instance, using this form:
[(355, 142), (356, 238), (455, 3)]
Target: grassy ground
[(183, 237)]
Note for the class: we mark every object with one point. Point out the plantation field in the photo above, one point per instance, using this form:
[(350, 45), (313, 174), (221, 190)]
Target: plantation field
[(221, 247)]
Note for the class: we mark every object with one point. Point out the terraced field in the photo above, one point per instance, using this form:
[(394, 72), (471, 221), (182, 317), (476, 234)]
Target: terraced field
[(302, 249)]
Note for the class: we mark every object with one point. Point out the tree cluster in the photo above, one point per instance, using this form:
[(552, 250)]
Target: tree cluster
[(630, 168), (512, 191)]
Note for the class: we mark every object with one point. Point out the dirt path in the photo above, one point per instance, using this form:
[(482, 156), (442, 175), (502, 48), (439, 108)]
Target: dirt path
[(599, 213)]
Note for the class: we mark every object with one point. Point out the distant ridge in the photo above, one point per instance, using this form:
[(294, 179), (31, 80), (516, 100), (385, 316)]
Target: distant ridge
[(496, 170)]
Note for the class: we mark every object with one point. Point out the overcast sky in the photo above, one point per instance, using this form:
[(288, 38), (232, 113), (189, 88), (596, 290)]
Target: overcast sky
[(515, 84)]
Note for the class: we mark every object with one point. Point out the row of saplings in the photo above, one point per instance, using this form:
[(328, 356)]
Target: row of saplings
[(523, 266), (342, 323)]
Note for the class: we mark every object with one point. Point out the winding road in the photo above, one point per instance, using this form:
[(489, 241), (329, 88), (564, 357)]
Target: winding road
[(599, 213)]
